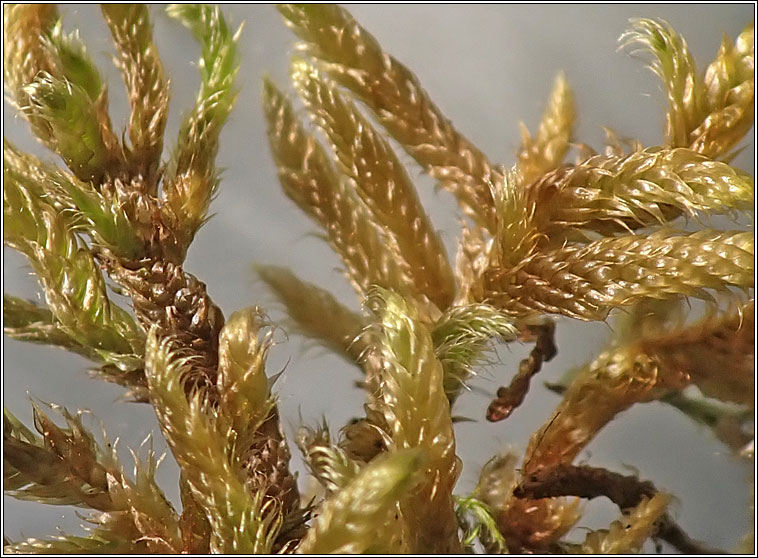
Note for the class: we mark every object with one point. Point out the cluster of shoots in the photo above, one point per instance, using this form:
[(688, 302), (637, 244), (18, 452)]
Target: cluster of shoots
[(597, 238)]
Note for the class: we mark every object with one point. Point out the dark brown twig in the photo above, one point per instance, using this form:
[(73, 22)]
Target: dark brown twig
[(508, 398), (624, 491), (585, 482)]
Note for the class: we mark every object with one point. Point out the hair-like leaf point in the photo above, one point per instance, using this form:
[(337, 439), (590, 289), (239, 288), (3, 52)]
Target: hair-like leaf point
[(97, 543), (307, 305), (97, 212), (25, 321), (33, 182), (543, 237), (39, 223), (353, 58), (673, 63), (461, 338), (107, 220), (730, 97), (28, 196), (72, 281), (412, 378), (67, 466), (517, 233), (348, 521), (241, 521), (192, 178), (709, 114), (63, 467), (329, 464)]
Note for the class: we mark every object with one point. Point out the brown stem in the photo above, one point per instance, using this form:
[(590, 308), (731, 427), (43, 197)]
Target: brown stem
[(508, 398), (623, 490), (166, 296), (196, 530), (585, 482)]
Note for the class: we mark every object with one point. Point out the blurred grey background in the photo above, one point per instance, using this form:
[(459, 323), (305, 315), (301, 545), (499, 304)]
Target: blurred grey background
[(487, 67)]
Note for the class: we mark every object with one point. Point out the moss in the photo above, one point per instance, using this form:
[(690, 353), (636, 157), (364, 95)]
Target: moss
[(545, 239)]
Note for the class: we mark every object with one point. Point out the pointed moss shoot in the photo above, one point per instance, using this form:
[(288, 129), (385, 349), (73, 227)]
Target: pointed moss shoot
[(560, 233)]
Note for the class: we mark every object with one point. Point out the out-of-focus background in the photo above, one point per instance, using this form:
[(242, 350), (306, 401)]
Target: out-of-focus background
[(487, 67)]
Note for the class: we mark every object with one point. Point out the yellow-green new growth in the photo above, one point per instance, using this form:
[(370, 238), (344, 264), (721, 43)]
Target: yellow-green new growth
[(25, 321), (98, 213), (461, 337), (352, 520), (74, 287), (476, 519), (200, 438), (243, 391), (416, 409), (708, 113), (544, 237), (192, 177), (140, 240), (77, 204), (74, 63), (72, 117)]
